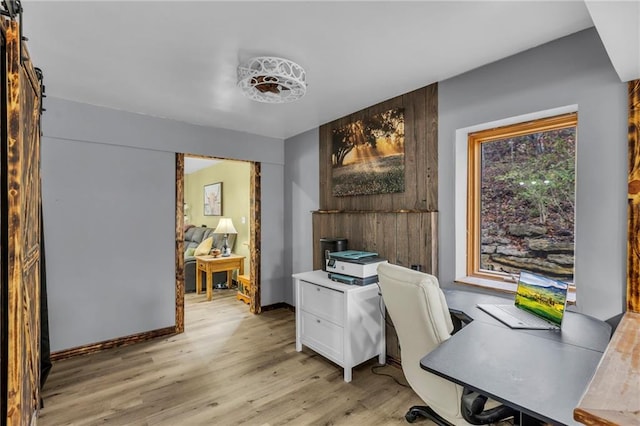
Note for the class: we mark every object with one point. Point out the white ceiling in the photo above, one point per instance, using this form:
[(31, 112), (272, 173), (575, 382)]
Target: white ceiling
[(178, 59), (193, 164), (618, 24)]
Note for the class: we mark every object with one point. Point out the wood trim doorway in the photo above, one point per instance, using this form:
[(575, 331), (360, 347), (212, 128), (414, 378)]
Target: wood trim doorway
[(254, 237)]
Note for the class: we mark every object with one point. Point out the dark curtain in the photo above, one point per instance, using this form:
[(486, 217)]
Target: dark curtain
[(45, 348)]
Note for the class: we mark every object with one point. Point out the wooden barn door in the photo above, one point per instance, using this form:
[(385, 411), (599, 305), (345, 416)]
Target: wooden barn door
[(21, 93)]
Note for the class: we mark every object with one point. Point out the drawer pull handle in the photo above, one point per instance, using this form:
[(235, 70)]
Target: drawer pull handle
[(318, 288), (318, 321)]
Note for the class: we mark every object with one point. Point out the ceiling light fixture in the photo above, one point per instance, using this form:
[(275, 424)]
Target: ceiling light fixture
[(272, 80)]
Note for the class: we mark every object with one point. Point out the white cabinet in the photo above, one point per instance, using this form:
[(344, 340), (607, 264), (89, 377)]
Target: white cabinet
[(344, 323)]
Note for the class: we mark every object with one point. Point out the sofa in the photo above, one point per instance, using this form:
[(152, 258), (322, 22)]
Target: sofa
[(193, 236)]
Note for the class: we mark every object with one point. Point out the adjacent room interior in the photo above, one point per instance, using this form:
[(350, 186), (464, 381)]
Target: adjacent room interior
[(217, 189)]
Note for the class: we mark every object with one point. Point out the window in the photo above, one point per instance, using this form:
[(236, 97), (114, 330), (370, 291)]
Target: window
[(521, 199)]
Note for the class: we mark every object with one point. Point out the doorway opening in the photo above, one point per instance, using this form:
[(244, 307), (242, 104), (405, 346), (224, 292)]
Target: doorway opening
[(209, 189)]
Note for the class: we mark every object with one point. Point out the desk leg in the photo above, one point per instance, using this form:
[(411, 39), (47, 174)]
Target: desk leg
[(209, 285), (382, 357), (229, 278), (347, 374), (198, 280)]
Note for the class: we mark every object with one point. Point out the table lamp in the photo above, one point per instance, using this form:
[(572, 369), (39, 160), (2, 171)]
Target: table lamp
[(225, 226)]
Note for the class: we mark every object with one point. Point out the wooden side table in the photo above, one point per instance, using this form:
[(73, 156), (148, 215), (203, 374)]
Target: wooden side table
[(244, 289), (209, 264)]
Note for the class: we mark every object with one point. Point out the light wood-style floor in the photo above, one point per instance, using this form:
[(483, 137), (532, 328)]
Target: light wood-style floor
[(230, 367)]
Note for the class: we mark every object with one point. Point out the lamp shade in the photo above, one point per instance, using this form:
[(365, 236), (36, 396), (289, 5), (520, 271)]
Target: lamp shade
[(225, 226)]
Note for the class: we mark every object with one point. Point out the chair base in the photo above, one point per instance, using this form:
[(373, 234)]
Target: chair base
[(424, 411)]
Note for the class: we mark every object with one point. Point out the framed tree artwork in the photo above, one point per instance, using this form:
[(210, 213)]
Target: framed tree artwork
[(368, 155), (213, 199)]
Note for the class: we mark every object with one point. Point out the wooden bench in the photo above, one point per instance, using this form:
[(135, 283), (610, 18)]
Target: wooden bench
[(244, 289)]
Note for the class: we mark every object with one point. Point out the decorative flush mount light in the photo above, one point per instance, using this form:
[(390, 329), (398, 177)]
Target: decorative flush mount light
[(272, 80)]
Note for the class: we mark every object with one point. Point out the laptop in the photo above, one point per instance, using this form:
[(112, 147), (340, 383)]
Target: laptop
[(539, 305)]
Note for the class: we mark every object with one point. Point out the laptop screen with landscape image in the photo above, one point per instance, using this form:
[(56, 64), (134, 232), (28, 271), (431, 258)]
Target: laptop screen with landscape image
[(542, 296)]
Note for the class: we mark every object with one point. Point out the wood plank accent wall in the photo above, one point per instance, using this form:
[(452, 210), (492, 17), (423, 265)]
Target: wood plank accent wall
[(400, 227), (421, 157), (21, 231), (403, 238)]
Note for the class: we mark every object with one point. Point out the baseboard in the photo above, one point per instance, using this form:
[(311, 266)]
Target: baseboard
[(394, 362), (279, 305), (113, 343)]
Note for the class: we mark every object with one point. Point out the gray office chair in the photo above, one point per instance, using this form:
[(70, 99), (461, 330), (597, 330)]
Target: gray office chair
[(420, 314)]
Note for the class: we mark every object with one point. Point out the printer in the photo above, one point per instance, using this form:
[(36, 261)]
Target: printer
[(353, 267)]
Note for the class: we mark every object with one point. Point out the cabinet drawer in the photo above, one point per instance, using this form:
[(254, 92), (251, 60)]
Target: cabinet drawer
[(322, 302), (322, 336)]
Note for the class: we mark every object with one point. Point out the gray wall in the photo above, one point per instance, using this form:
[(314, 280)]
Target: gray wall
[(105, 263), (301, 197), (108, 201), (572, 70), (273, 279)]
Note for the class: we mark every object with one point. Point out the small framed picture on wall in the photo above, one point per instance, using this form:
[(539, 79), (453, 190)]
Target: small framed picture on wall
[(213, 199)]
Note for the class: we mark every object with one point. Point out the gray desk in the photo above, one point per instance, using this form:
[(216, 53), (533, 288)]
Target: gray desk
[(541, 373)]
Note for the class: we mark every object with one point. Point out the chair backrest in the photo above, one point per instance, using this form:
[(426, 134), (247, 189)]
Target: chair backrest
[(419, 312)]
